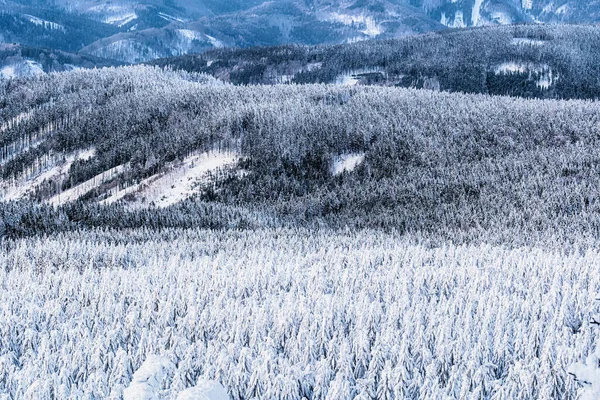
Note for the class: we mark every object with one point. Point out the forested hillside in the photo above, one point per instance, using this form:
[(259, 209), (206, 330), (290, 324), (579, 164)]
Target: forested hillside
[(118, 147), (529, 61)]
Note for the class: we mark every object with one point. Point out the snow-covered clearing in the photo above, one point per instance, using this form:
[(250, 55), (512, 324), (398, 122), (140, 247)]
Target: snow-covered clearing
[(369, 26), (476, 13), (178, 183), (87, 154), (313, 66), (347, 162), (501, 18), (169, 18), (547, 77), (512, 67), (352, 78), (215, 42), (120, 20), (21, 69), (527, 42), (347, 80), (190, 34), (46, 24), (8, 72), (21, 188), (76, 192)]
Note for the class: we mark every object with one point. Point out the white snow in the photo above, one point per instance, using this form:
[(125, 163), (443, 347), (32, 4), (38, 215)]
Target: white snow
[(351, 78), (190, 34), (87, 154), (22, 68), (31, 141), (476, 14), (8, 72), (562, 10), (370, 27), (347, 162), (204, 390), (152, 380), (46, 24), (76, 192), (21, 188), (547, 78), (548, 8), (215, 42), (313, 66), (33, 68), (459, 21), (347, 80), (179, 182), (169, 18), (16, 120), (444, 20), (527, 42), (149, 380), (501, 18), (120, 20), (511, 67)]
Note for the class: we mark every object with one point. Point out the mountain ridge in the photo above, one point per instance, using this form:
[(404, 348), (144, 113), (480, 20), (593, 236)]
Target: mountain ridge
[(138, 31)]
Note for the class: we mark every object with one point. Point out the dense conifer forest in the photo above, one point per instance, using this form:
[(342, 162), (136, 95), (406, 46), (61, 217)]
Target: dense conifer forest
[(434, 163)]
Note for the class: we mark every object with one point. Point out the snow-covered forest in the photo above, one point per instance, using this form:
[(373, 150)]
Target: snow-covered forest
[(292, 241), (462, 167), (292, 314)]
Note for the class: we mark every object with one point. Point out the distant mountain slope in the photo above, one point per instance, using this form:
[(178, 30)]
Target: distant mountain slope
[(43, 27), (142, 30), (270, 23), (461, 13), (557, 61), (19, 61)]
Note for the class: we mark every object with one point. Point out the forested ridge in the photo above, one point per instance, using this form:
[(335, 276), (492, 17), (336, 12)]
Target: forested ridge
[(541, 61), (433, 162)]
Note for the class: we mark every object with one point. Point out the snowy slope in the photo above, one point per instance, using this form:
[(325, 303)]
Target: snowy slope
[(21, 69), (177, 183)]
